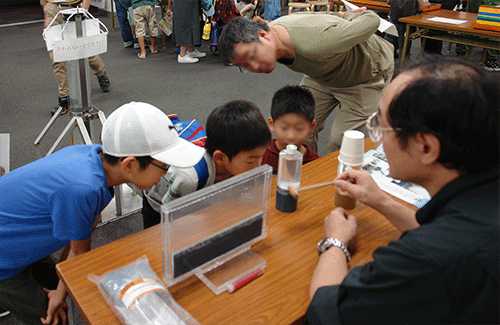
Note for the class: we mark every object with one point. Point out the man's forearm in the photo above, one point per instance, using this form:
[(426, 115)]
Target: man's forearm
[(64, 254), (331, 270), (401, 216)]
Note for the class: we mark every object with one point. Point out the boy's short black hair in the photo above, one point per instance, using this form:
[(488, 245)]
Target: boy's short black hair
[(112, 160), (293, 99), (235, 127)]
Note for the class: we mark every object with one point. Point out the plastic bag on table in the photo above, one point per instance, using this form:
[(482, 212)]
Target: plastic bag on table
[(138, 296)]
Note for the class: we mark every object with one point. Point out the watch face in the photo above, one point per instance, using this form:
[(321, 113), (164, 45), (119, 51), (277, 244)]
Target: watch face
[(324, 244)]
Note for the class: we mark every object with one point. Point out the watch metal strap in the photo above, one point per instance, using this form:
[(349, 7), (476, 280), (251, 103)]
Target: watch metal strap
[(337, 243)]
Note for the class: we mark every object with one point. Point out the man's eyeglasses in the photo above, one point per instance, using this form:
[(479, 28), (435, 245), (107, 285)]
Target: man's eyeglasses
[(374, 128), (165, 169)]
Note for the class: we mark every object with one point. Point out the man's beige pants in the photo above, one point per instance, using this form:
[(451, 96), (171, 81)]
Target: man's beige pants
[(60, 70)]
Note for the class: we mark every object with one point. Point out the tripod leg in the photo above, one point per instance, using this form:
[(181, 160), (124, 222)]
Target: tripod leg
[(49, 124), (118, 200), (102, 117), (69, 128), (83, 130)]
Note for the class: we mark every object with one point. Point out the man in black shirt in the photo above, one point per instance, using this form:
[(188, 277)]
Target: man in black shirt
[(439, 124)]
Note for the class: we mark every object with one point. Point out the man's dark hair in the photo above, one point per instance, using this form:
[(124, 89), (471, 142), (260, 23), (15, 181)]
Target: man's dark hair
[(239, 29), (458, 102), (235, 127), (144, 161), (293, 99)]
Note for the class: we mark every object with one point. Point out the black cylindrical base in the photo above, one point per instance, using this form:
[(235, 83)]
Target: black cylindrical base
[(284, 201)]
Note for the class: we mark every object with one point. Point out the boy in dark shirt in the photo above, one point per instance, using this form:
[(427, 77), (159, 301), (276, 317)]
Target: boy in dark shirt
[(292, 121)]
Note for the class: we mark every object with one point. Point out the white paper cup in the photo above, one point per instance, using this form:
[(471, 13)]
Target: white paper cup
[(352, 148)]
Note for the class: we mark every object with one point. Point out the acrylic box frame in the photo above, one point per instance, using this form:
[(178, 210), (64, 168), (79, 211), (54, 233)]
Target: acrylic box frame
[(209, 233)]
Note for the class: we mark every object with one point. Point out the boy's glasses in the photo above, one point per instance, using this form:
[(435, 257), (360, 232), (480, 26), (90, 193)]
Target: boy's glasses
[(374, 127), (165, 169)]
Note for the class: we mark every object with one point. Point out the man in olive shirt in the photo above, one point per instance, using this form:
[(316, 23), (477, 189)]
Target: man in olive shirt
[(344, 62)]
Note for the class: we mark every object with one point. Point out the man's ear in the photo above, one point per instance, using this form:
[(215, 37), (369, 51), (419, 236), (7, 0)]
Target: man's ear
[(270, 122), (430, 148), (264, 34), (219, 157)]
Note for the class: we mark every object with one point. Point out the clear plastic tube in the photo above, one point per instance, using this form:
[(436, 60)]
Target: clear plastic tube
[(138, 296)]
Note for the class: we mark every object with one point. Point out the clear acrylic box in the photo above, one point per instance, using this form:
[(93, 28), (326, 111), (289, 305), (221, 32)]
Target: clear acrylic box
[(209, 233)]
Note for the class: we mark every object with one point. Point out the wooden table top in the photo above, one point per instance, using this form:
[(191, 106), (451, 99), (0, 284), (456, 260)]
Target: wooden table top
[(423, 20), (370, 4), (279, 296)]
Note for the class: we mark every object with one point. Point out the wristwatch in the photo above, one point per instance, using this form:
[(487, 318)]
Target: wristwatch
[(328, 242)]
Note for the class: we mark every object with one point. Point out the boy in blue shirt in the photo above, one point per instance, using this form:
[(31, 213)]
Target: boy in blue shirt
[(55, 202), (237, 136)]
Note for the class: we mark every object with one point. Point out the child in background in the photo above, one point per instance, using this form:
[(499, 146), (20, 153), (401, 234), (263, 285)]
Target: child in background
[(144, 13), (399, 9), (244, 7), (237, 137), (292, 121)]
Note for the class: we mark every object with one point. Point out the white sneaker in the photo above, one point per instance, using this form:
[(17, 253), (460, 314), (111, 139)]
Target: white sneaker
[(197, 54), (186, 59)]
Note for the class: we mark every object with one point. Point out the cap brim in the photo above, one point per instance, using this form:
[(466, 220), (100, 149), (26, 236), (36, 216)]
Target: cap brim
[(184, 154)]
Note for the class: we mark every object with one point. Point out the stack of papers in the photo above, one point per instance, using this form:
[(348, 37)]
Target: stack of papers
[(384, 27), (375, 162)]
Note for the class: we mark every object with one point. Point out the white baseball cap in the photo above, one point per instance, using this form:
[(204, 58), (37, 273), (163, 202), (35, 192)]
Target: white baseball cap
[(140, 129)]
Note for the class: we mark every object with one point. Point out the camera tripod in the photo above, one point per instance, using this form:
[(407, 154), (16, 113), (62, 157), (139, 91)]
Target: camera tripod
[(82, 112), (81, 115)]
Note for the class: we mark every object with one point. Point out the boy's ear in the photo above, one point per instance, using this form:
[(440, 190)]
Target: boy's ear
[(219, 157), (313, 126), (270, 122), (128, 165)]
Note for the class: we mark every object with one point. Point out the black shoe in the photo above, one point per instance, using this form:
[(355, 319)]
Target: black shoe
[(104, 82), (64, 103), (63, 112), (492, 65)]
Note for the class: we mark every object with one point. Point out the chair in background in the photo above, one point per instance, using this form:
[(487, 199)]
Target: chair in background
[(298, 6), (321, 5)]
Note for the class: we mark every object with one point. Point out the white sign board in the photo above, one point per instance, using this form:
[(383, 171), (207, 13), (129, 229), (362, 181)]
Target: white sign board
[(4, 153), (80, 48), (67, 46)]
